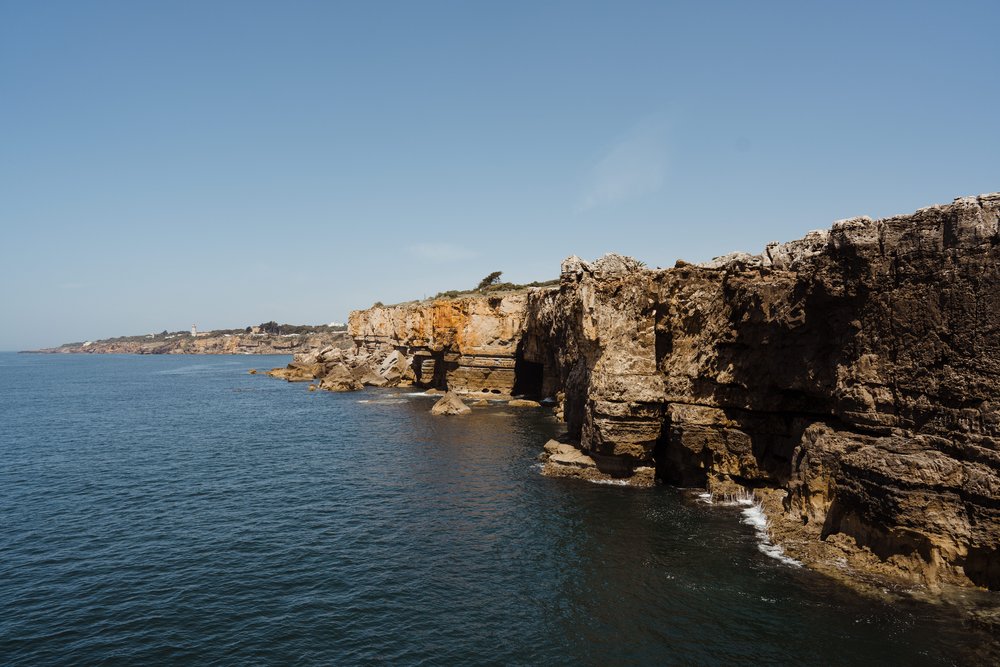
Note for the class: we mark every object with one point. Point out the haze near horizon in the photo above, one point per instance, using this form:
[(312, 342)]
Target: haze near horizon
[(230, 163)]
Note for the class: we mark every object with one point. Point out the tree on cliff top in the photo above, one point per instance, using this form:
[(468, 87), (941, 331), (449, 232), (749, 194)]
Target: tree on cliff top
[(491, 279)]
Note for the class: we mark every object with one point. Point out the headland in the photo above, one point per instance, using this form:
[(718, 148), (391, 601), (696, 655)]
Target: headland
[(846, 382)]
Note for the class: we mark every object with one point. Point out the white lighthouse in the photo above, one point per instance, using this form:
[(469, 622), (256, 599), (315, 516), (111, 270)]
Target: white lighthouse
[(194, 330)]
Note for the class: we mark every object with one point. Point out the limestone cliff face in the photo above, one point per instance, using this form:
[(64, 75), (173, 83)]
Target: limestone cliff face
[(467, 344), (850, 378)]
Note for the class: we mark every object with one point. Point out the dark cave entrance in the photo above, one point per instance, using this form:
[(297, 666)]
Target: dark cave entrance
[(529, 378), (675, 464)]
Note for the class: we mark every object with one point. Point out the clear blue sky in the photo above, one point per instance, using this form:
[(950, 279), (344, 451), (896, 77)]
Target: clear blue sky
[(227, 163)]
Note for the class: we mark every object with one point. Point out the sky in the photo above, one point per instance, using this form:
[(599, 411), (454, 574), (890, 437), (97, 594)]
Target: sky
[(223, 163)]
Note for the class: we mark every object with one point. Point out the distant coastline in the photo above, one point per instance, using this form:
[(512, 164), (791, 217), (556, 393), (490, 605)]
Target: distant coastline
[(269, 338)]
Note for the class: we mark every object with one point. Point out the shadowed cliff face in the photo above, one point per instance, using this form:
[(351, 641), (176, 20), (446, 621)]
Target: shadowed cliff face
[(851, 378)]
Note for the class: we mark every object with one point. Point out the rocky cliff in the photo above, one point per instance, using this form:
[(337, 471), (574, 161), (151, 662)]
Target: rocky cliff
[(467, 344), (848, 380)]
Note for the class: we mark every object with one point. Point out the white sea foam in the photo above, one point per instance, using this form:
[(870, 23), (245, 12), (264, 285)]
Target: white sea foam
[(753, 515), (610, 482)]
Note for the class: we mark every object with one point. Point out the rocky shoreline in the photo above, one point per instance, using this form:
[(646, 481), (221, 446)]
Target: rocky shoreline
[(206, 343), (847, 380)]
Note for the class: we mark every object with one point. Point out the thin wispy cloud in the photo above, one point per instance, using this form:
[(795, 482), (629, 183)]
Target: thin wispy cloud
[(634, 166), (441, 252)]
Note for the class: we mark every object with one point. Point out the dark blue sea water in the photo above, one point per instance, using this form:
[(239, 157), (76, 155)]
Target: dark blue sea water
[(176, 510)]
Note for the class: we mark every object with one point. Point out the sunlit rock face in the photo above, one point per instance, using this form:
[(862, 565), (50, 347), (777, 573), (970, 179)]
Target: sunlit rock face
[(467, 345), (851, 377)]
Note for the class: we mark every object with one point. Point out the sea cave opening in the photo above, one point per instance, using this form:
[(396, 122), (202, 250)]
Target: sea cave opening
[(528, 378)]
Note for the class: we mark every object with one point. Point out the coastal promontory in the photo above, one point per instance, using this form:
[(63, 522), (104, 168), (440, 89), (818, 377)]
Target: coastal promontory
[(848, 381)]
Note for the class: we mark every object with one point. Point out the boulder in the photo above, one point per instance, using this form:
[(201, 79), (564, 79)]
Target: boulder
[(373, 380), (339, 378), (523, 403), (394, 367), (450, 404), (362, 370), (330, 355), (298, 372), (556, 447), (307, 358)]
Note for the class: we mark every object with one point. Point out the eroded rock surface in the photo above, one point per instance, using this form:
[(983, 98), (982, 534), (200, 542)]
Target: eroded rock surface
[(467, 345), (856, 370), (850, 379)]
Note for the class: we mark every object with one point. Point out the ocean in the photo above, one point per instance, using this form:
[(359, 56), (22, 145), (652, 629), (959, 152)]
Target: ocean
[(159, 510)]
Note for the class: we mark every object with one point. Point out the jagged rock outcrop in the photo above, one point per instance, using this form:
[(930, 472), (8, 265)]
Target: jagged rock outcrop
[(351, 369), (849, 378), (855, 371), (340, 378)]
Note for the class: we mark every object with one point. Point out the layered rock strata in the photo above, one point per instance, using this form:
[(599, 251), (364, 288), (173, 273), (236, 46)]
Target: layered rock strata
[(853, 375), (849, 379), (466, 344)]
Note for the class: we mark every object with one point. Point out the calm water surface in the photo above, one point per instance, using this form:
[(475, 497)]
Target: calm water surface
[(176, 510)]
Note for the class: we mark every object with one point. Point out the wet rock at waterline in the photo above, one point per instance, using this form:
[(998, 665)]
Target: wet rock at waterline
[(450, 404)]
